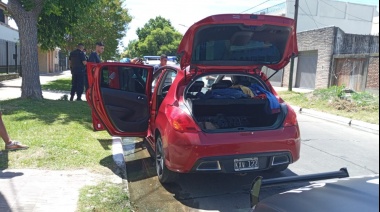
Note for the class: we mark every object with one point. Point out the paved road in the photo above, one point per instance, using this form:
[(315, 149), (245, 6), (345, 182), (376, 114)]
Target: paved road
[(325, 147)]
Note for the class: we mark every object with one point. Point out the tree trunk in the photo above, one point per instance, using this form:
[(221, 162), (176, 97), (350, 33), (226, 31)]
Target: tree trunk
[(27, 26)]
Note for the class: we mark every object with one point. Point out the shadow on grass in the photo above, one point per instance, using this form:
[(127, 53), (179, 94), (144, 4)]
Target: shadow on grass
[(49, 111), (105, 143), (3, 160)]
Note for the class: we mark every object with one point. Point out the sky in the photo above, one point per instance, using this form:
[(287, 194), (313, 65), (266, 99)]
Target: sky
[(183, 14)]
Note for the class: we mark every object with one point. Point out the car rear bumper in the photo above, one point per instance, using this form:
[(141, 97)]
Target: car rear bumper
[(226, 164), (185, 152)]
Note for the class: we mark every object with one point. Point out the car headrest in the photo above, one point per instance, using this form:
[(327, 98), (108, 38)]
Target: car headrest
[(240, 80), (227, 82), (197, 86), (222, 84), (219, 85)]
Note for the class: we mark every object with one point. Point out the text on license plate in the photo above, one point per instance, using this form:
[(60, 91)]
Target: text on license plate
[(244, 164)]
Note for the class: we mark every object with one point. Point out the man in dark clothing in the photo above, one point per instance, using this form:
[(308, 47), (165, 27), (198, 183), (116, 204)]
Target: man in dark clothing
[(163, 62), (94, 58), (77, 65)]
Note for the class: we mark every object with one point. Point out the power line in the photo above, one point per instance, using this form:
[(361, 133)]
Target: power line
[(345, 12), (256, 6), (311, 15)]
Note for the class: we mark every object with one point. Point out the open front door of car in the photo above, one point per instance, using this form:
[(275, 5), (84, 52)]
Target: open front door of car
[(119, 95)]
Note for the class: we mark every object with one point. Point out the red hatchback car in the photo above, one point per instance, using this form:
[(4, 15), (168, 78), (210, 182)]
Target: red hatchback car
[(216, 112)]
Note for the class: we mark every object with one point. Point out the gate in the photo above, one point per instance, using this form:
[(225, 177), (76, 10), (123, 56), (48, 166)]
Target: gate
[(350, 72), (306, 69), (9, 57)]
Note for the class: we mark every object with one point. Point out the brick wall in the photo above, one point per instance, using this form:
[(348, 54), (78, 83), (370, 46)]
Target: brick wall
[(321, 40), (373, 73)]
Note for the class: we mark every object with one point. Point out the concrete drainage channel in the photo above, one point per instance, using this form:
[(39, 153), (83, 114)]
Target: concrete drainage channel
[(118, 153), (124, 152)]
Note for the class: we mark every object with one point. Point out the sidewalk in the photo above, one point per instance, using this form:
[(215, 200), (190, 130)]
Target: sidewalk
[(11, 89), (36, 190), (33, 190)]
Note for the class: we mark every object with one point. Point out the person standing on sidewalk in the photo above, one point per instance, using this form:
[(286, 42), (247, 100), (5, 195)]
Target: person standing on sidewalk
[(9, 144), (78, 63), (94, 58)]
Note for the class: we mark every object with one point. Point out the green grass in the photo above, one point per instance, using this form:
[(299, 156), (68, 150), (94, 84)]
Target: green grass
[(59, 135), (113, 198), (362, 106), (58, 85)]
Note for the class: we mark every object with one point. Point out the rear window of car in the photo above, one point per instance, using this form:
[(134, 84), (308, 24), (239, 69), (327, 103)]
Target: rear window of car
[(240, 44)]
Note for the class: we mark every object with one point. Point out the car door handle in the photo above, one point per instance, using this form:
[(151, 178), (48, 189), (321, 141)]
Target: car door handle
[(140, 98)]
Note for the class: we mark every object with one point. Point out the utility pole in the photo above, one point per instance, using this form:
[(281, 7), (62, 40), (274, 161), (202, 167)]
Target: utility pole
[(290, 85)]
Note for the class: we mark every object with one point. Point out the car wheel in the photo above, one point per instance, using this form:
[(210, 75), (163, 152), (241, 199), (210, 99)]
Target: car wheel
[(278, 168), (163, 173)]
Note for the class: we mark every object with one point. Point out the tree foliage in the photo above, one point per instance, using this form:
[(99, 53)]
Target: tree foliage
[(57, 19), (131, 50), (51, 23), (106, 21), (158, 36)]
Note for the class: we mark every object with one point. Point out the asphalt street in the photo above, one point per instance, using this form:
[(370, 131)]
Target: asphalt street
[(326, 146)]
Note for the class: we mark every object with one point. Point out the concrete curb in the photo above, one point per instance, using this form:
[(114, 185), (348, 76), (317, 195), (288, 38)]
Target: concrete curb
[(372, 128), (118, 158)]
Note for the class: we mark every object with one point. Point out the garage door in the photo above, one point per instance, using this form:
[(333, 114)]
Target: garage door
[(306, 69)]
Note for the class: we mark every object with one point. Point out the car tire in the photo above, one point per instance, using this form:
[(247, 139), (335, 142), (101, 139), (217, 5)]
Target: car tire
[(278, 168), (163, 173)]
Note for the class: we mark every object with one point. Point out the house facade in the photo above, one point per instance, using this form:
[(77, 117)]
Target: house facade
[(314, 14), (9, 47), (331, 55), (10, 50)]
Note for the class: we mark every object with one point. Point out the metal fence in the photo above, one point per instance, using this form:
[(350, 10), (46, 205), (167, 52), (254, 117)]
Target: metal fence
[(9, 57)]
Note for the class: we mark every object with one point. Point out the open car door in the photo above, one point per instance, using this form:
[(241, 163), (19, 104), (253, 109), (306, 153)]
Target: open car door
[(90, 70), (119, 96)]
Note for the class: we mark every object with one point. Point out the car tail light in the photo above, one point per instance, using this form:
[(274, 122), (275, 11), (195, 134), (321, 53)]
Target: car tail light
[(291, 118), (181, 121)]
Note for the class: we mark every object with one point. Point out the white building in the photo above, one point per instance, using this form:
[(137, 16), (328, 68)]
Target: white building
[(313, 14), (6, 32), (375, 26), (9, 40)]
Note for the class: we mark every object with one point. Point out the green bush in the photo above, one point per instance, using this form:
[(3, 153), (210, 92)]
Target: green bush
[(365, 99), (329, 93)]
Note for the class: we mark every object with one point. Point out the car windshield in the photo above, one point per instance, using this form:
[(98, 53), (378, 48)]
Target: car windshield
[(239, 44)]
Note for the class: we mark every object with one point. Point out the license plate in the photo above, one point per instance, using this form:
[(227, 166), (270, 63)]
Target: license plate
[(244, 164)]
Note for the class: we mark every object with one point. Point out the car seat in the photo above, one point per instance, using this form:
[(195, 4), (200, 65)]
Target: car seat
[(194, 89), (240, 80), (222, 84)]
